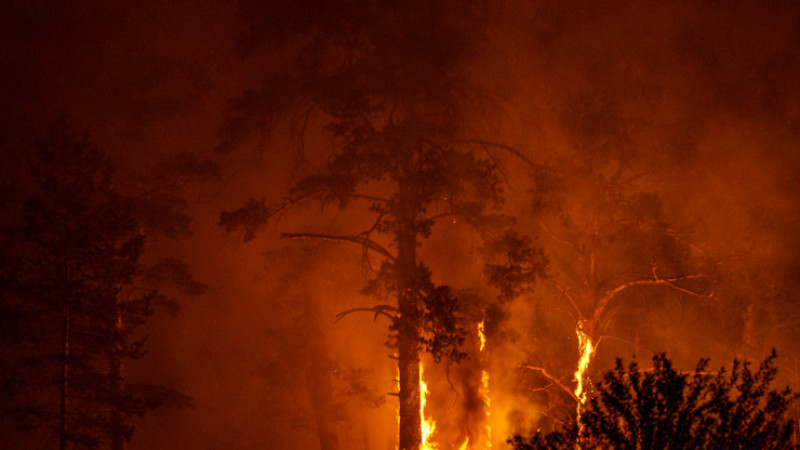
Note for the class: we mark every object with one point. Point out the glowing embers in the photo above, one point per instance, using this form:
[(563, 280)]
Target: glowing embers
[(428, 425)]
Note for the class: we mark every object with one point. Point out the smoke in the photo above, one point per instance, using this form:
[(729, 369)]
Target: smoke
[(689, 109)]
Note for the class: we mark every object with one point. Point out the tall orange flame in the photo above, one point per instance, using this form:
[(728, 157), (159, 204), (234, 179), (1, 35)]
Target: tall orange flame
[(481, 336), (585, 349), (428, 425)]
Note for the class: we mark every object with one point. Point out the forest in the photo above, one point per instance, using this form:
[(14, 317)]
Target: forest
[(362, 224)]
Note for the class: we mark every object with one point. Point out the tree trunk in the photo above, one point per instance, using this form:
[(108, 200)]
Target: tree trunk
[(410, 432), (62, 414), (320, 391), (408, 364), (318, 377), (118, 385)]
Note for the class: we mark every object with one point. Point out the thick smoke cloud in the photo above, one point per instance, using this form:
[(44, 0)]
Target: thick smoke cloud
[(697, 102)]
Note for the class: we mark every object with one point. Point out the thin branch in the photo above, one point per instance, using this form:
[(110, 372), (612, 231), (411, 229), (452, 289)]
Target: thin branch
[(553, 379), (498, 166), (556, 238), (670, 282), (368, 243), (378, 310), (553, 418), (507, 148), (569, 297), (301, 140), (371, 198), (627, 341), (671, 232)]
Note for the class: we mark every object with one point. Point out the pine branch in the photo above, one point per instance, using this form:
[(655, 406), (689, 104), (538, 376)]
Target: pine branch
[(379, 310), (368, 243)]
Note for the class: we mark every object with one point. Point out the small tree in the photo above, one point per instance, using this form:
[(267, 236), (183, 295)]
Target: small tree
[(662, 408)]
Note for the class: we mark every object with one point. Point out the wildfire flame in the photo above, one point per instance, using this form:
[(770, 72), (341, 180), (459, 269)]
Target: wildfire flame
[(585, 349), (481, 336), (428, 424), (464, 445), (485, 389)]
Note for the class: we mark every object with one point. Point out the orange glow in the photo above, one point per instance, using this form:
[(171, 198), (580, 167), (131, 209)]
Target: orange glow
[(428, 425), (464, 445)]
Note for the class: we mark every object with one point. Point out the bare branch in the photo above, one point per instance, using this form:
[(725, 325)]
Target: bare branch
[(553, 379), (671, 232), (487, 144), (565, 293), (556, 238), (670, 282), (368, 243), (371, 198), (382, 310), (627, 341)]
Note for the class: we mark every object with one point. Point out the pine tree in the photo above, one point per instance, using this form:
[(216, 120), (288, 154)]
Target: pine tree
[(77, 253), (389, 82)]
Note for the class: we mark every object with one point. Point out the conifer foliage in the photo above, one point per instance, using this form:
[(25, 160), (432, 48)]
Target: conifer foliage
[(71, 287)]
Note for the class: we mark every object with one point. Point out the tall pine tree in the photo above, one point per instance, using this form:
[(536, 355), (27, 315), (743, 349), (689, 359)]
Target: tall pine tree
[(388, 82)]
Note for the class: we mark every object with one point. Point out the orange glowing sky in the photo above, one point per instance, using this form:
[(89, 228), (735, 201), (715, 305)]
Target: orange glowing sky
[(708, 92)]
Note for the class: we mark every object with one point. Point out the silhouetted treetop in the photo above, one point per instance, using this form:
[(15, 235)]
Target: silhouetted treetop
[(663, 408)]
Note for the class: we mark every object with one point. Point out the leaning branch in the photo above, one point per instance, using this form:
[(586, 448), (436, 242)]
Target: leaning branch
[(379, 310), (487, 144), (554, 380), (360, 240), (670, 282)]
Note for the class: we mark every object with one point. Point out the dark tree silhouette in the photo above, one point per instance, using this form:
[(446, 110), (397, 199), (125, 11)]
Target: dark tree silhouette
[(388, 82), (662, 408), (72, 285)]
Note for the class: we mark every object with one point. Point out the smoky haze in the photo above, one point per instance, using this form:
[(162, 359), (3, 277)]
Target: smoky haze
[(683, 116)]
